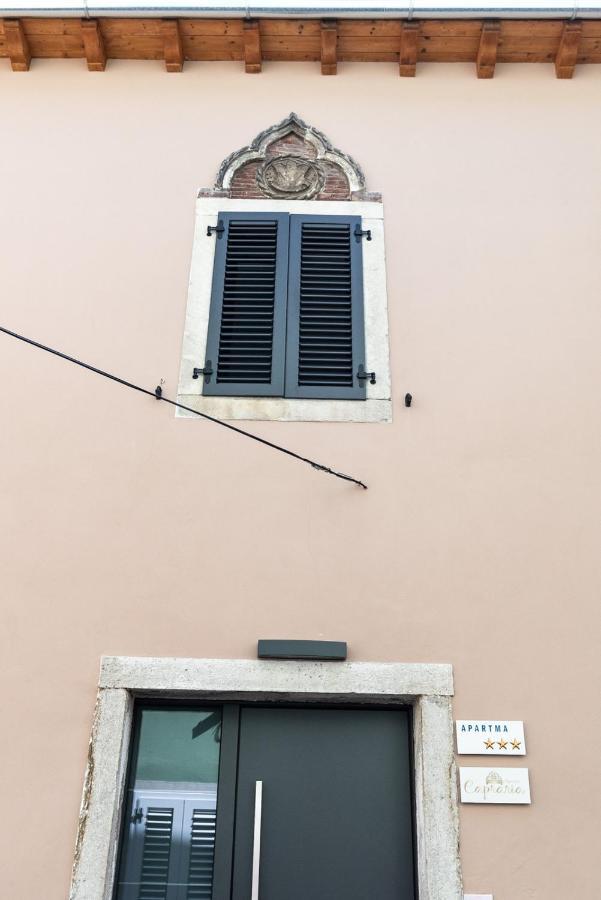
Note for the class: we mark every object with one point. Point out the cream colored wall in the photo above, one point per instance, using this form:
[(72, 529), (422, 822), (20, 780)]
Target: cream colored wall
[(126, 531)]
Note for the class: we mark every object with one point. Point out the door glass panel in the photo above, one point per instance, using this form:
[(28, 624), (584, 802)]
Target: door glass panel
[(169, 830)]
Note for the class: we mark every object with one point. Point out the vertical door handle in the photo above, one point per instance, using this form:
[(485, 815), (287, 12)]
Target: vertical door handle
[(254, 890)]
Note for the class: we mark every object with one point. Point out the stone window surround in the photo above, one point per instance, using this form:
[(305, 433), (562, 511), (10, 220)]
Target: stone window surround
[(376, 408), (427, 688)]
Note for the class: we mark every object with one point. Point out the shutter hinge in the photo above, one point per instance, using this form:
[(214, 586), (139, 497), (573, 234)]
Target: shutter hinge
[(137, 815), (361, 234), (362, 375), (218, 229), (207, 371)]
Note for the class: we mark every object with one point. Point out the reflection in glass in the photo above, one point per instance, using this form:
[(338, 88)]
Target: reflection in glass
[(169, 833)]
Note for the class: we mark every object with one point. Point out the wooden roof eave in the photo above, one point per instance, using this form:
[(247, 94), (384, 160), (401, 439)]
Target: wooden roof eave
[(484, 42)]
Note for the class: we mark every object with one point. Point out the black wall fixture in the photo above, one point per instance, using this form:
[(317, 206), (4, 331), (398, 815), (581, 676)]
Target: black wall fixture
[(318, 650)]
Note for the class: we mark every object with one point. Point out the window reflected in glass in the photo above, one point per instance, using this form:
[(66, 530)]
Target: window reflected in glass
[(169, 832)]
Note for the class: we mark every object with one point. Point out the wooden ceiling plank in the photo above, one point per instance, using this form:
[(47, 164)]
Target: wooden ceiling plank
[(211, 27), (93, 45), (486, 58), (329, 47), (252, 47), (121, 27), (368, 28), (17, 46), (410, 32), (290, 27), (451, 28), (567, 53), (204, 48), (172, 45)]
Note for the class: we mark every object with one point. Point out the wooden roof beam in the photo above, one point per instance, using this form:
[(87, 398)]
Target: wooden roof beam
[(17, 46), (567, 53), (173, 50), (408, 50), (329, 47), (252, 47), (93, 45), (486, 59)]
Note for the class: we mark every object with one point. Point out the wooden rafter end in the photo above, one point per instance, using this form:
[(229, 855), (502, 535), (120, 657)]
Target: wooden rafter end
[(329, 47), (17, 46), (567, 53), (173, 50), (486, 59), (410, 32), (93, 45), (252, 47)]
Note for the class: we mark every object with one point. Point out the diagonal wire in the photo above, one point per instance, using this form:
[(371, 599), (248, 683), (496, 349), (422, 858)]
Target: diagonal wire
[(158, 395)]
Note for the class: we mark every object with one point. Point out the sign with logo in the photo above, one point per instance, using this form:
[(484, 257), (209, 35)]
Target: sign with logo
[(490, 737), (481, 784)]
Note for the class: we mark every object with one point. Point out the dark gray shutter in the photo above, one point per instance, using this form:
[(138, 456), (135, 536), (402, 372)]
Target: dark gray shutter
[(325, 335), (153, 851), (156, 853), (247, 323)]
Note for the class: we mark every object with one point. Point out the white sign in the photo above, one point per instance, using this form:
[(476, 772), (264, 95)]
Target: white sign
[(482, 784), (477, 897), (490, 737)]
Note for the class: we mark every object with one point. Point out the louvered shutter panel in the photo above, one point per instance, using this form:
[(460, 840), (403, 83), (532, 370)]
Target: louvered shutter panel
[(325, 333), (156, 853), (247, 322), (153, 851), (201, 834)]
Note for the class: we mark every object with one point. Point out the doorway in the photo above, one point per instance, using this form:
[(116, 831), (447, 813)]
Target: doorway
[(269, 803)]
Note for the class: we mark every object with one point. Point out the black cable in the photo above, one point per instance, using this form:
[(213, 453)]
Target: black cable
[(158, 395)]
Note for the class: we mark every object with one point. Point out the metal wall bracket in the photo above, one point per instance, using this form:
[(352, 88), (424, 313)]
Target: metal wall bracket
[(359, 234), (362, 375), (207, 371), (217, 229)]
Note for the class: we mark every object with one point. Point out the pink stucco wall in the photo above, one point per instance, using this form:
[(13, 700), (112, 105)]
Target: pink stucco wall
[(126, 531)]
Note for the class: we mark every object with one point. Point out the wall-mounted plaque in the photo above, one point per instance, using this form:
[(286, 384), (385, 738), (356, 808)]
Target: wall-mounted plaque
[(490, 737), (483, 784), (477, 897)]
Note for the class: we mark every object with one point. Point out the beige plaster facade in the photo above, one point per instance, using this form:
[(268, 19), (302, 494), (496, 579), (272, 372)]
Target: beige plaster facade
[(130, 532)]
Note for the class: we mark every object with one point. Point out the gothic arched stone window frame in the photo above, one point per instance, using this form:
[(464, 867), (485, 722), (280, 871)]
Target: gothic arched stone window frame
[(314, 179)]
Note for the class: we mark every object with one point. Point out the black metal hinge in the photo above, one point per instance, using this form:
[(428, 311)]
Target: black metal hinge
[(207, 371), (361, 234), (362, 375), (217, 229), (137, 815)]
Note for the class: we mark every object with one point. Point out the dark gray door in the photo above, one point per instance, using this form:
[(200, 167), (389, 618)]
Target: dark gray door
[(336, 812)]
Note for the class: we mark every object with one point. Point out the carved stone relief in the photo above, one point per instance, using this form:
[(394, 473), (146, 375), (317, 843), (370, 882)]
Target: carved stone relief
[(290, 160), (290, 177)]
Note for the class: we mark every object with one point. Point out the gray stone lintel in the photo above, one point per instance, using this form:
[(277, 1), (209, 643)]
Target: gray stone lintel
[(236, 676)]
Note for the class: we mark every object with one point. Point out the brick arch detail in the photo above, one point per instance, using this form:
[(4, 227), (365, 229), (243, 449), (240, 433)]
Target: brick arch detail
[(343, 178)]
